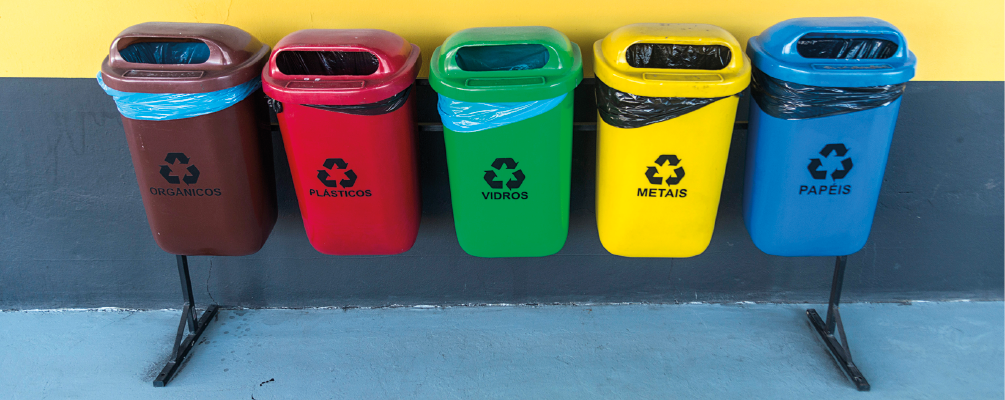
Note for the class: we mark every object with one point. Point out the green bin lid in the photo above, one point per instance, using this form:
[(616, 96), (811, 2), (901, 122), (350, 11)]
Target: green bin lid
[(559, 75)]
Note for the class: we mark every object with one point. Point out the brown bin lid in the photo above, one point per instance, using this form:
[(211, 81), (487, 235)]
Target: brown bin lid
[(234, 58)]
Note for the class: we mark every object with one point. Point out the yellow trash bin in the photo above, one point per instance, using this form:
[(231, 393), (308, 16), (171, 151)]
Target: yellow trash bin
[(666, 98)]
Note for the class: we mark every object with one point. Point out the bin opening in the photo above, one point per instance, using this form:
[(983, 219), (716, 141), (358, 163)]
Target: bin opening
[(845, 47), (506, 57), (678, 56), (182, 51), (327, 62)]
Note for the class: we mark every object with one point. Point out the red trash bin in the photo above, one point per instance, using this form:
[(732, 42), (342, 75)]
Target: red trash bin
[(346, 111)]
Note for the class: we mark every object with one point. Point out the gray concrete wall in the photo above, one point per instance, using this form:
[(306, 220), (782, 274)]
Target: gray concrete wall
[(73, 232)]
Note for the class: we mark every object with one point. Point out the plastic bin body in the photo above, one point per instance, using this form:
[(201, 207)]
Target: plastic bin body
[(531, 219), (230, 207), (633, 217), (639, 218), (782, 217), (380, 213), (787, 211), (355, 176)]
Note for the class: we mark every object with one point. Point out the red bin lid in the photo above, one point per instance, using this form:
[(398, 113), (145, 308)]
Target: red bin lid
[(398, 66)]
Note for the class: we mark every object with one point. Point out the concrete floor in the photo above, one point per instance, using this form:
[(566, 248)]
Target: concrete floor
[(918, 351)]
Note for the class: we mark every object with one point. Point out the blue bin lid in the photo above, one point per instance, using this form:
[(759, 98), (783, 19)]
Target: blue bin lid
[(775, 53)]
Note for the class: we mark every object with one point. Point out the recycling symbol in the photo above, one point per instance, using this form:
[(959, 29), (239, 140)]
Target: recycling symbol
[(190, 178), (668, 159), (336, 162), (839, 150), (510, 164)]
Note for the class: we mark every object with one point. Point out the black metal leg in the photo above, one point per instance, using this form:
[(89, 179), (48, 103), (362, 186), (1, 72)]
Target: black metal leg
[(183, 343), (839, 349)]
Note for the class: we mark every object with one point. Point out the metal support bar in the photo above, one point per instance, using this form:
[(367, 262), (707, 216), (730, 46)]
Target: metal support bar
[(183, 343), (838, 348)]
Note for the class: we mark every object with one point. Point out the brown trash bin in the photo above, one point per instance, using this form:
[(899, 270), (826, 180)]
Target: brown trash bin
[(207, 181)]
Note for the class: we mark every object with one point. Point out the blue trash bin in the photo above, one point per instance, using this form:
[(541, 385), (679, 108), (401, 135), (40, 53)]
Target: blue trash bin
[(825, 96)]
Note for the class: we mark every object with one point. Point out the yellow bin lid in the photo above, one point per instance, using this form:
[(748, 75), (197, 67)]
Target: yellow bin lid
[(611, 66)]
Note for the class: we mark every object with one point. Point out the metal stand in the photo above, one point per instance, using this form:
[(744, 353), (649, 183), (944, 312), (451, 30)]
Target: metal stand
[(839, 349), (183, 343)]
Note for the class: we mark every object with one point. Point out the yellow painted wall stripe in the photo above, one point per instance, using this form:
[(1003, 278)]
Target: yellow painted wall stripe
[(954, 41)]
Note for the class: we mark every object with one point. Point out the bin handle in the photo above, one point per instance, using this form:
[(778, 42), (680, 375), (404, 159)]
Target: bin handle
[(383, 68), (784, 41), (556, 66), (735, 63), (218, 58)]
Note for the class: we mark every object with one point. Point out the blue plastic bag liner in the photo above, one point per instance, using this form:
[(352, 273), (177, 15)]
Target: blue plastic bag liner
[(462, 116), (166, 53), (169, 106), (506, 57)]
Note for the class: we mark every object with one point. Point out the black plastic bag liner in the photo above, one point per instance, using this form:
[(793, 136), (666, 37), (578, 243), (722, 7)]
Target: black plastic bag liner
[(821, 46), (381, 107), (166, 53), (788, 100), (327, 62), (626, 110), (678, 56), (506, 57)]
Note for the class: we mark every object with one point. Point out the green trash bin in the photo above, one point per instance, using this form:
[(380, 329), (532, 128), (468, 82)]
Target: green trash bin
[(505, 98)]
